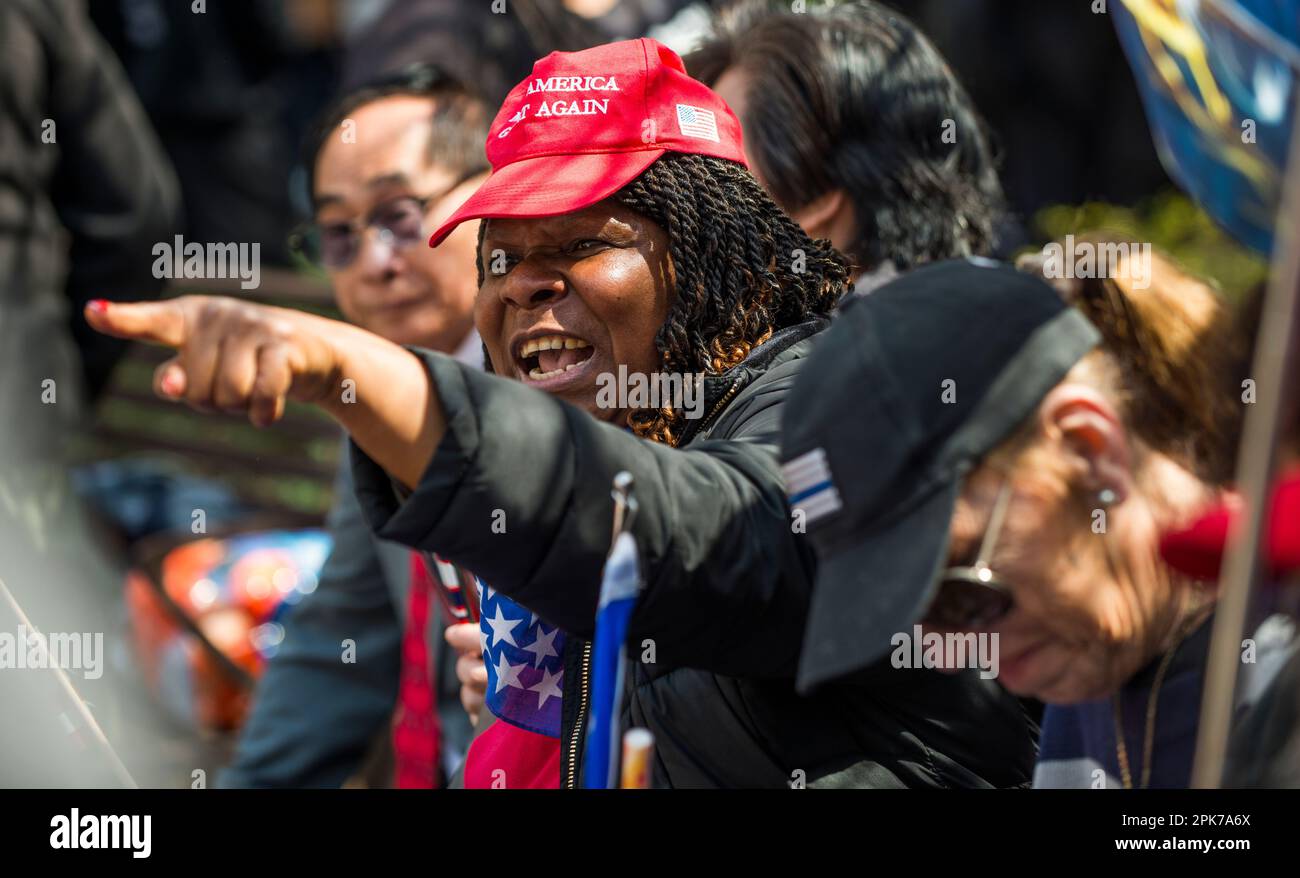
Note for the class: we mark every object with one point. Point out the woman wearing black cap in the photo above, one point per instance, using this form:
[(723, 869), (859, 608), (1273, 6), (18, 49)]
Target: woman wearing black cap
[(623, 236), (1033, 498)]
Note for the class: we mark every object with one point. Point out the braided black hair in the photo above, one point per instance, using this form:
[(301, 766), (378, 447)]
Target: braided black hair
[(743, 268)]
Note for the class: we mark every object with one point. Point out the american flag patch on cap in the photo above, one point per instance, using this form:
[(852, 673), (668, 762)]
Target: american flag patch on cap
[(809, 486), (697, 122)]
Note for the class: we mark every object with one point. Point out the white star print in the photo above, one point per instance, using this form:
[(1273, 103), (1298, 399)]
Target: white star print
[(543, 646), (502, 628), (547, 687), (508, 674)]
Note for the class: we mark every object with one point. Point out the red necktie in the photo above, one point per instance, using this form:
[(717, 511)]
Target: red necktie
[(416, 734)]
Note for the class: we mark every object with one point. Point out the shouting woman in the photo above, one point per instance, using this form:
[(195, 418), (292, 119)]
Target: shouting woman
[(623, 241)]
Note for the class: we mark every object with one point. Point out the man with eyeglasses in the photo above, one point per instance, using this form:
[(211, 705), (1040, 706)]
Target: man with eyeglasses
[(388, 163)]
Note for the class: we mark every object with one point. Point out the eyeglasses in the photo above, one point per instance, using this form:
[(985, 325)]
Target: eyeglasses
[(399, 223), (971, 597)]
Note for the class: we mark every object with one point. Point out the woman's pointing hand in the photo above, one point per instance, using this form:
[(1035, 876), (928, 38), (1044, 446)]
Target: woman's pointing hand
[(232, 356), (236, 356)]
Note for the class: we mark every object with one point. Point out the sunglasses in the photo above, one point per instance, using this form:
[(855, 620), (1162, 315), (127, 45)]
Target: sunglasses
[(398, 222), (971, 597)]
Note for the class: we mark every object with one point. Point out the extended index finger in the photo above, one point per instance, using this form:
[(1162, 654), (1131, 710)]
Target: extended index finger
[(156, 322)]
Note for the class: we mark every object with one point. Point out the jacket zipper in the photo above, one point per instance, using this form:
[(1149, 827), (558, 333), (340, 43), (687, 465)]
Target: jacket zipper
[(722, 403), (572, 781)]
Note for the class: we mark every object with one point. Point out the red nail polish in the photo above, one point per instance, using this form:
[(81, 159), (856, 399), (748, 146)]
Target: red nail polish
[(99, 306)]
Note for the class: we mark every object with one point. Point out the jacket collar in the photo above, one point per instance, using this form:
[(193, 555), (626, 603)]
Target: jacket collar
[(760, 359)]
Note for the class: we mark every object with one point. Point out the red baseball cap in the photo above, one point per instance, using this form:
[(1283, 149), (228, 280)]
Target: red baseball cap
[(585, 124), (1198, 548)]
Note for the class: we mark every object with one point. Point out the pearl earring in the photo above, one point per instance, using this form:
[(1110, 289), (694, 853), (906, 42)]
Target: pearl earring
[(1106, 497)]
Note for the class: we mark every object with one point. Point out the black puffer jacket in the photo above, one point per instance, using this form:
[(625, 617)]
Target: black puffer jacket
[(726, 586)]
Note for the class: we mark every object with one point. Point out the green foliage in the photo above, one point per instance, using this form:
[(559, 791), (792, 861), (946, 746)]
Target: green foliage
[(1170, 222)]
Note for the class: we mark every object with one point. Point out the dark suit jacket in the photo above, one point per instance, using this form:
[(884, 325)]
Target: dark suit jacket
[(315, 717)]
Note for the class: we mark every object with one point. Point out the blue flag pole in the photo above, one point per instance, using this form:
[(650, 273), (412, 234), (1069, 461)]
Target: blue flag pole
[(618, 593)]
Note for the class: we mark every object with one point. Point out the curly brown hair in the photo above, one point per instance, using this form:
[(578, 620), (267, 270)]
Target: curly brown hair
[(743, 269), (1174, 353)]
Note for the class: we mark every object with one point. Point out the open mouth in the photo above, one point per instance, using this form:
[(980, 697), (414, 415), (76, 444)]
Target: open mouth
[(549, 356)]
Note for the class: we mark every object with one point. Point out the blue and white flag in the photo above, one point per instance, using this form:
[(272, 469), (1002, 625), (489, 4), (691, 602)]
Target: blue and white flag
[(618, 593), (1219, 80)]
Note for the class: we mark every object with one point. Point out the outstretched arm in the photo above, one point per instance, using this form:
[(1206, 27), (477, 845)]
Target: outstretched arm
[(236, 356), (726, 583)]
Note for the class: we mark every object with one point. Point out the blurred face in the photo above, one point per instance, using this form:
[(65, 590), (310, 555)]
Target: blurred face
[(733, 87), (568, 298), (400, 289), (829, 215), (1086, 615)]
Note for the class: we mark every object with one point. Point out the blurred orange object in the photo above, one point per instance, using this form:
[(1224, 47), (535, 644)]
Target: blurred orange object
[(205, 635)]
